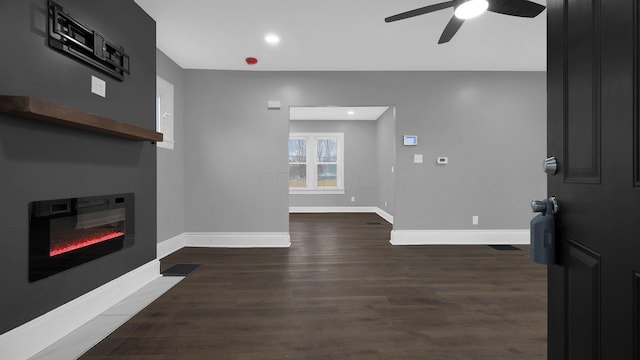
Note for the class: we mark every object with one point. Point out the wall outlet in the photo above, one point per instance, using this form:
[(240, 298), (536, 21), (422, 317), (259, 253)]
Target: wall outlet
[(474, 220), (353, 199), (98, 86), (417, 158)]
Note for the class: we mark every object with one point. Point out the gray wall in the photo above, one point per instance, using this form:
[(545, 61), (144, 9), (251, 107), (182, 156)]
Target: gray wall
[(488, 123), (236, 165), (386, 155), (41, 161), (360, 163), (171, 162)]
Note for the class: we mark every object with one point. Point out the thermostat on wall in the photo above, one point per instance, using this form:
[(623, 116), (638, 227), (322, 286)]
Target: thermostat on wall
[(410, 140), (442, 160)]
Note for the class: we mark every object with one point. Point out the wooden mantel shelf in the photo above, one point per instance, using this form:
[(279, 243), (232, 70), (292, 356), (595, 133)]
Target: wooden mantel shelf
[(38, 109)]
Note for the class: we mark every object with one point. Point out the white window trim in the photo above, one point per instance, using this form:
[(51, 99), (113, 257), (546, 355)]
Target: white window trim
[(312, 188), (164, 112)]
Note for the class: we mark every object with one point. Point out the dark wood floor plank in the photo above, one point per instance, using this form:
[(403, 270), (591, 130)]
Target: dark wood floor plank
[(343, 292)]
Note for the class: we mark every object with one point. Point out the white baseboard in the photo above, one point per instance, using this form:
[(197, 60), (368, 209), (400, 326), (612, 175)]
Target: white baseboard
[(170, 246), (460, 237), (238, 240), (341, 209), (223, 240), (332, 209), (385, 215), (34, 336)]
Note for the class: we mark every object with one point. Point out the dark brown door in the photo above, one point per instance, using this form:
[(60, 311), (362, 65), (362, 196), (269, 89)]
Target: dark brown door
[(594, 290)]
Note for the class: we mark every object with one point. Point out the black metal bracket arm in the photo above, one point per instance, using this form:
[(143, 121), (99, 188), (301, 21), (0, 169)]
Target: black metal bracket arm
[(72, 37)]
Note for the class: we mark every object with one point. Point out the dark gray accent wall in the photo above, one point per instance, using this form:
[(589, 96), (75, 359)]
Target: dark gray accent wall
[(41, 161), (171, 162), (360, 163), (489, 124)]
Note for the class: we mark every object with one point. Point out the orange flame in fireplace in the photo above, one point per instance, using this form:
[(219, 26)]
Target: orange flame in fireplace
[(78, 244)]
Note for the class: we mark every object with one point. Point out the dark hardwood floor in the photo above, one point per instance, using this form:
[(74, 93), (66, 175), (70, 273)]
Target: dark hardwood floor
[(343, 292)]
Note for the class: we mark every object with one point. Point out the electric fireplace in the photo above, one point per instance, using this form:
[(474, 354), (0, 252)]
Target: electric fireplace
[(65, 233)]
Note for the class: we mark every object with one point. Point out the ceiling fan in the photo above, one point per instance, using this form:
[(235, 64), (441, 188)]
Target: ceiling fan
[(466, 9)]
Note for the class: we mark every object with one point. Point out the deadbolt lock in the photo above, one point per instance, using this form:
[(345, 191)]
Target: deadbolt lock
[(550, 165)]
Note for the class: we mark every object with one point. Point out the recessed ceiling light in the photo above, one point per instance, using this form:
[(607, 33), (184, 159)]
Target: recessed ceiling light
[(272, 39), (351, 112)]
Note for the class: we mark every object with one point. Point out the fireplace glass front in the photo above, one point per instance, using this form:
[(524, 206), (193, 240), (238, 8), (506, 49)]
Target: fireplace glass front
[(65, 233)]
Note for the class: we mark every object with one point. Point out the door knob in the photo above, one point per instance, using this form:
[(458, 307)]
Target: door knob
[(545, 206), (550, 165), (538, 206)]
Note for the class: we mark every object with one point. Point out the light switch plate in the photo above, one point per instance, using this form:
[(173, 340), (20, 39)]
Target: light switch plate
[(273, 105), (98, 86), (417, 158)]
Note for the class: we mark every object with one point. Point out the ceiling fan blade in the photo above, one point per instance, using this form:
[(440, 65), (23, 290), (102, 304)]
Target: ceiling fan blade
[(451, 29), (420, 11), (522, 8)]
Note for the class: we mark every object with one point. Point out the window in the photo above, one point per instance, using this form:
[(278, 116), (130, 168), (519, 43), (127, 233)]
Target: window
[(316, 163), (164, 112)]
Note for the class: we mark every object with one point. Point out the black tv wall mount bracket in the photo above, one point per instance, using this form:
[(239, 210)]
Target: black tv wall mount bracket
[(72, 37)]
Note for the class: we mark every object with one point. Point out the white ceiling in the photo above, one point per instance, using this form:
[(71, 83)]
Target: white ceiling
[(347, 35), (336, 112)]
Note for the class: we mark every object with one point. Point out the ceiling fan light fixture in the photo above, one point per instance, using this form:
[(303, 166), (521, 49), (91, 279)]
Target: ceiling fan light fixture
[(467, 9)]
